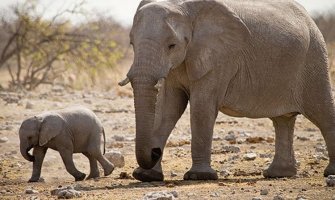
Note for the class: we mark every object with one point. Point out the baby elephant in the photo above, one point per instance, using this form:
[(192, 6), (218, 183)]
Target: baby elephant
[(72, 130)]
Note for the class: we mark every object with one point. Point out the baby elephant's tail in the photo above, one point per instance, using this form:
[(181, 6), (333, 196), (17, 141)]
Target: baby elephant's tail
[(103, 133)]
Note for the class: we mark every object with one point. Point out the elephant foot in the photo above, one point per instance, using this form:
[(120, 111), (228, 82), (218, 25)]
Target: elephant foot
[(80, 177), (280, 171), (108, 170), (33, 179), (147, 175), (330, 170), (93, 176), (202, 174)]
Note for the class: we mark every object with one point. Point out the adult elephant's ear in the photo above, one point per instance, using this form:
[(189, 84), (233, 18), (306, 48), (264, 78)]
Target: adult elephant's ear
[(217, 30), (50, 127)]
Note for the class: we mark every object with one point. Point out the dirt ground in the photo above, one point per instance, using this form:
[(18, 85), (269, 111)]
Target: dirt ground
[(238, 178)]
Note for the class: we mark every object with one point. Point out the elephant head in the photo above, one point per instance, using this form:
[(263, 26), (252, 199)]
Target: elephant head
[(164, 36), (37, 131)]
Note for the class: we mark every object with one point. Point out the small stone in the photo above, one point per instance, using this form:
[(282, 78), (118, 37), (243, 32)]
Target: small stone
[(163, 195), (256, 198), (124, 175), (302, 138), (225, 173), (278, 197), (264, 192), (230, 137), (29, 105), (66, 192), (116, 158), (330, 180), (231, 149), (88, 101), (31, 191), (173, 174), (3, 140), (250, 156), (214, 194), (118, 138), (265, 155), (301, 198)]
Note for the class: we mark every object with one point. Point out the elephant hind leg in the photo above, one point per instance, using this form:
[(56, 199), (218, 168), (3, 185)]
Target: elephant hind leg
[(323, 116), (284, 163), (106, 165), (94, 170)]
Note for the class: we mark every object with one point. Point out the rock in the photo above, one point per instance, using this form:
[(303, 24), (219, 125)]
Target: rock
[(264, 192), (230, 137), (3, 140), (250, 156), (254, 140), (116, 158), (265, 155), (29, 105), (330, 180), (278, 197), (88, 101), (118, 138), (302, 138), (163, 195), (214, 194), (301, 198), (231, 149), (256, 198), (225, 173), (173, 174), (57, 88), (31, 191), (66, 193)]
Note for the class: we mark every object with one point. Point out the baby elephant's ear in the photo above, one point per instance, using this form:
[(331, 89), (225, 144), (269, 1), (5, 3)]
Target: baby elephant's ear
[(51, 126)]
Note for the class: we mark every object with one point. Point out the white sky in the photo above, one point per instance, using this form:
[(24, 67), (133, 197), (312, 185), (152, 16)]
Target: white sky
[(123, 10)]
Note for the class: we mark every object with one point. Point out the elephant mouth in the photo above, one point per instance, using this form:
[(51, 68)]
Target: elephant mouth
[(30, 157)]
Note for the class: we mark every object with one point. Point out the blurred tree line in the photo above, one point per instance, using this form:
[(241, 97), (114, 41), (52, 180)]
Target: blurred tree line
[(36, 50)]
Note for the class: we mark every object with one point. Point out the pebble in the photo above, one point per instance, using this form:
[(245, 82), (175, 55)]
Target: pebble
[(3, 140), (330, 180), (31, 191), (301, 198), (278, 197), (173, 174), (250, 156), (225, 173), (256, 198), (66, 193), (214, 194), (231, 149), (302, 138), (231, 136), (118, 138), (116, 158), (264, 191), (29, 105), (163, 195)]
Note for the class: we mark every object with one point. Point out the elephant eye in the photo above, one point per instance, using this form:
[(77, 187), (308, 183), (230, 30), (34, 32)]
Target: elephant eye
[(172, 46)]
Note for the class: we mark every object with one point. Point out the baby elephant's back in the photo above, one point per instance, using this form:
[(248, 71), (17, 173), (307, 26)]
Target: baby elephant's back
[(81, 121)]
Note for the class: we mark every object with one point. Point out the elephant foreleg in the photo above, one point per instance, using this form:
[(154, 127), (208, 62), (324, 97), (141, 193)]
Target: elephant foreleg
[(174, 104), (203, 115), (39, 154), (284, 163), (70, 167)]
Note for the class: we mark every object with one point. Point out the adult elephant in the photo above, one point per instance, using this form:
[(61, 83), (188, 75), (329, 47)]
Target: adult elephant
[(245, 58)]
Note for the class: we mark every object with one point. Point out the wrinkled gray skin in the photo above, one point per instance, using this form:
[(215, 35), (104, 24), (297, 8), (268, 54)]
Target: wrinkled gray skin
[(244, 58), (68, 131)]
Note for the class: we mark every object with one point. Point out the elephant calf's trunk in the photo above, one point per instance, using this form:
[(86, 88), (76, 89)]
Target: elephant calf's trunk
[(25, 153)]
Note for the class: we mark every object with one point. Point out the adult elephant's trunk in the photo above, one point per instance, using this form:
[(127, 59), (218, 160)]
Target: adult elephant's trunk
[(145, 95), (25, 148)]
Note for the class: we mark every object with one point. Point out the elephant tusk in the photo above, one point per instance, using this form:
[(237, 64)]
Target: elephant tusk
[(124, 82), (159, 83)]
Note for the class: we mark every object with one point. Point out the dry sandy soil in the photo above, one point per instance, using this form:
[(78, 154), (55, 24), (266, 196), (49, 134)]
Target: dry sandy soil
[(238, 179)]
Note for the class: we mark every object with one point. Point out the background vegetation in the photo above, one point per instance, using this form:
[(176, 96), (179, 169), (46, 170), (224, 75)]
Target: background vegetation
[(35, 50)]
